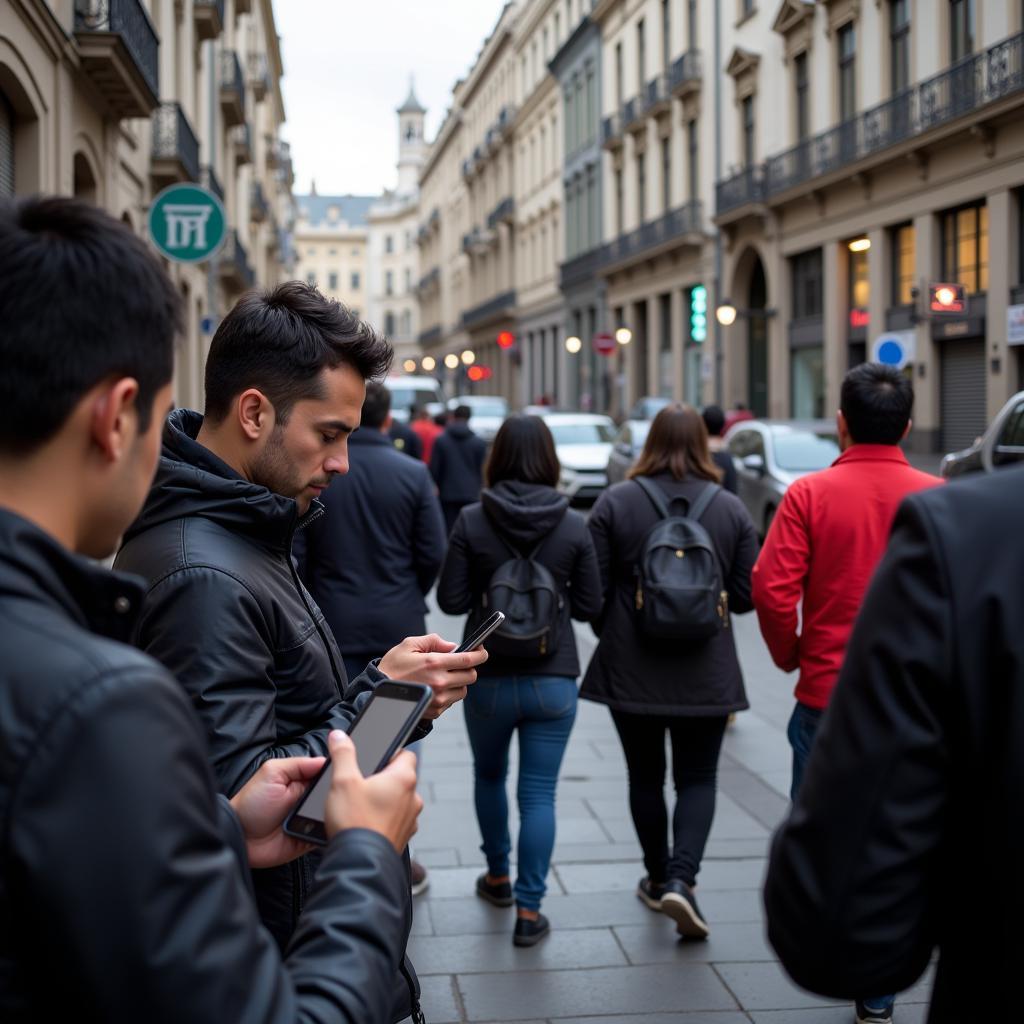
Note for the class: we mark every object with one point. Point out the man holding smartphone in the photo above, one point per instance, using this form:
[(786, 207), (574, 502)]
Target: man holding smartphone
[(124, 889)]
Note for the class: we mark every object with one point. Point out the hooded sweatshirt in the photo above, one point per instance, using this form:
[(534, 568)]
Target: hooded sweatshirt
[(514, 517)]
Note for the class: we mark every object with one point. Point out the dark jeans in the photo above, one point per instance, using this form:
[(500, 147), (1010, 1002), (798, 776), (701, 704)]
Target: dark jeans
[(541, 709), (802, 729), (696, 743)]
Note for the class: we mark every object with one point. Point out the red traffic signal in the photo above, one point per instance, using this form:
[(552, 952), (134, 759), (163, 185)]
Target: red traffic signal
[(506, 339), (477, 373), (947, 298)]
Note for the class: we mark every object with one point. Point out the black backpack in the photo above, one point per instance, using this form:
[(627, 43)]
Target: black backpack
[(679, 591), (527, 593)]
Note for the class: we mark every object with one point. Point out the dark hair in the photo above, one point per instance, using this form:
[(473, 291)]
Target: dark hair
[(376, 406), (280, 341), (417, 412), (82, 299), (876, 401), (462, 412), (523, 450), (441, 419), (714, 419), (677, 443)]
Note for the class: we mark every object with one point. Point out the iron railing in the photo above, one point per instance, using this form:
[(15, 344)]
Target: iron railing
[(579, 269), (746, 186), (231, 79), (687, 219), (430, 335), (259, 74), (505, 210), (173, 138), (490, 309), (429, 279), (241, 137), (235, 260), (631, 112), (258, 205), (657, 92), (611, 128), (217, 5), (211, 182), (127, 19), (687, 69)]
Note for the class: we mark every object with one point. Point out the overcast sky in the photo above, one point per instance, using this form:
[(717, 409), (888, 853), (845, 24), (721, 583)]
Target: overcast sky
[(346, 68)]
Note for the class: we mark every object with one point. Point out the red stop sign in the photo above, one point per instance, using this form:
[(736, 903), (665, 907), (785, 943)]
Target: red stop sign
[(604, 343)]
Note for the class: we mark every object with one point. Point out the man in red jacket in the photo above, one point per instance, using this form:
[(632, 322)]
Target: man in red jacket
[(827, 537)]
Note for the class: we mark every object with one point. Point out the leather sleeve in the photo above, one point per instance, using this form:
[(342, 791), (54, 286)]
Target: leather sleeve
[(454, 593), (130, 893), (853, 868), (205, 626)]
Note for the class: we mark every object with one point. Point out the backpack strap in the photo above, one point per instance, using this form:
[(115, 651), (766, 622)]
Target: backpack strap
[(700, 506), (653, 491)]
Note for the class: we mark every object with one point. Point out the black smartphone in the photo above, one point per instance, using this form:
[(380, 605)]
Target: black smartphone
[(471, 643), (379, 731)]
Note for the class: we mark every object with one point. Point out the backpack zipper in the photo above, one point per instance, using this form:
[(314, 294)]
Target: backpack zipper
[(723, 608), (639, 599)]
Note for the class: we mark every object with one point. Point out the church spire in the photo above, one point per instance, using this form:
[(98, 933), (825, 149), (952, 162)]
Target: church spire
[(411, 104)]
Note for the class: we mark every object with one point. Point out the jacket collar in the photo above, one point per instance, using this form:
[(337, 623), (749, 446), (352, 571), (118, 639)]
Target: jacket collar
[(192, 481), (366, 436), (873, 453), (34, 566)]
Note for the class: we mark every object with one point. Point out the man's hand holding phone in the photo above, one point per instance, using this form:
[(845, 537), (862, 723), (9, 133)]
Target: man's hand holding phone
[(431, 661)]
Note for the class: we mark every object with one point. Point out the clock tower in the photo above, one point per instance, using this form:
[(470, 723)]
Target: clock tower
[(412, 146)]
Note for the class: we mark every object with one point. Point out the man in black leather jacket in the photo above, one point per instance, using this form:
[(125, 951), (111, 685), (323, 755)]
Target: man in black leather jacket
[(225, 610), (124, 892), (907, 833)]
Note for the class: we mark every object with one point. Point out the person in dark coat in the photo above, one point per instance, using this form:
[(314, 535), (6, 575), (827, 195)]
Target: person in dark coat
[(520, 511), (405, 439), (370, 561), (687, 689), (124, 875), (456, 465), (714, 420), (916, 777)]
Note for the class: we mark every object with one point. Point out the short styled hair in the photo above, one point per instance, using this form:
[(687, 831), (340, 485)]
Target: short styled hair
[(714, 419), (523, 450), (376, 406), (462, 412), (876, 401), (82, 299), (280, 341)]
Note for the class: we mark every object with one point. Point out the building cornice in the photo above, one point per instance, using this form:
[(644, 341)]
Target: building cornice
[(493, 45)]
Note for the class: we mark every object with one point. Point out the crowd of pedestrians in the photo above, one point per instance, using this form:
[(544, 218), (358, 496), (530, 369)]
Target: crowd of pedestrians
[(273, 558)]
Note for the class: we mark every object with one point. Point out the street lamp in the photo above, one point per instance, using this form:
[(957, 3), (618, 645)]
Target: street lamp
[(451, 361), (429, 364), (573, 344), (861, 244), (725, 313), (623, 335), (409, 366), (468, 357)]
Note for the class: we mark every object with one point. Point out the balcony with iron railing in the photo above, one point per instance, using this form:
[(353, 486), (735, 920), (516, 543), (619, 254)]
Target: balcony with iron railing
[(259, 75), (504, 212), (429, 281), (233, 264), (232, 89), (175, 149), (611, 131), (208, 18), (118, 50), (241, 143), (684, 224), (430, 336), (657, 96), (501, 307), (259, 208), (971, 87), (686, 74), (633, 114), (579, 269), (209, 180)]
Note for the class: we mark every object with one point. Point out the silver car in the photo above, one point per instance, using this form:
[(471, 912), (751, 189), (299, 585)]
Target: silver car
[(1001, 445), (770, 454), (626, 449)]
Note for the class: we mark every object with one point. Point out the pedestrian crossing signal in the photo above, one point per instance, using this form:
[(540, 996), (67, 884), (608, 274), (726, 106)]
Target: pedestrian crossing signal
[(698, 313)]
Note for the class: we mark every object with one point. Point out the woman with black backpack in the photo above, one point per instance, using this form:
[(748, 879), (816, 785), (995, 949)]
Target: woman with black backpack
[(521, 550), (676, 552)]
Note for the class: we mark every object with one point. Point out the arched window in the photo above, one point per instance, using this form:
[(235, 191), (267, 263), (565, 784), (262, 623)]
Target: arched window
[(84, 179), (389, 324), (6, 147)]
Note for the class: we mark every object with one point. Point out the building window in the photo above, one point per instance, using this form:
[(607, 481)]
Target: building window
[(693, 166), (354, 280), (389, 244), (749, 132), (666, 175), (332, 281), (691, 24), (389, 283), (641, 56), (666, 35), (859, 288), (389, 323), (803, 99), (902, 264), (899, 45), (6, 147), (593, 233), (591, 93), (847, 71), (965, 247), (961, 29), (620, 212), (545, 47), (558, 28), (311, 279), (746, 8), (641, 187), (807, 278), (408, 279), (619, 83), (332, 252)]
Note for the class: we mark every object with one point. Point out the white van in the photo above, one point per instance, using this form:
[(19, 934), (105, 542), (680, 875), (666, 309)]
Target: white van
[(409, 391)]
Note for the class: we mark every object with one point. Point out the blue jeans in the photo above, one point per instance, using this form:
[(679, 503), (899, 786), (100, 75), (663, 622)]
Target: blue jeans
[(542, 710), (803, 727)]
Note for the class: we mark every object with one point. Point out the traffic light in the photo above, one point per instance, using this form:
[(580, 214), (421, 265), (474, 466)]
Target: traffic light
[(698, 313), (506, 339), (947, 298)]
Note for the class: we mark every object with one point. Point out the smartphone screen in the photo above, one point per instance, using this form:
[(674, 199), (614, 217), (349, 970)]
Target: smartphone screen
[(471, 643), (384, 720)]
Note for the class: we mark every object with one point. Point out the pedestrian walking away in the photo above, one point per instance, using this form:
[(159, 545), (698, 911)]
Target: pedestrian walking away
[(714, 420), (823, 545), (655, 684), (456, 465), (918, 771), (427, 429), (522, 533), (125, 875), (224, 609)]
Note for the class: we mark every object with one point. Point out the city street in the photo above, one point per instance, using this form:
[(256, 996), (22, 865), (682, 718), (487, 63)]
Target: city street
[(610, 960)]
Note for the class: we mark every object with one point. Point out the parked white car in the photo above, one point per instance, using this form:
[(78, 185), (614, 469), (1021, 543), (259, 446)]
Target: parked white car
[(583, 442), (488, 413), (409, 391)]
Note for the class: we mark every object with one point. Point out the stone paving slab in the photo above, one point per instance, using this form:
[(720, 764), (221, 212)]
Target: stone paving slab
[(656, 943)]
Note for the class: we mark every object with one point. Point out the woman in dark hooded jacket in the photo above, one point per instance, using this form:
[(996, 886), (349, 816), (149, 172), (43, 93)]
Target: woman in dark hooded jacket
[(520, 514)]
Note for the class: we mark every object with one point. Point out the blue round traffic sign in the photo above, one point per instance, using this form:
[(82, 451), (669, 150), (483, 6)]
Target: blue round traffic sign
[(890, 352)]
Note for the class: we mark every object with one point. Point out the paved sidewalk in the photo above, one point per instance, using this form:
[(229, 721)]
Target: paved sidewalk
[(610, 960)]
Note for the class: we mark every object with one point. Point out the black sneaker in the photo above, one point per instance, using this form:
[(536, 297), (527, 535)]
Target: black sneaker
[(498, 893), (649, 893), (867, 1014), (529, 933), (679, 903)]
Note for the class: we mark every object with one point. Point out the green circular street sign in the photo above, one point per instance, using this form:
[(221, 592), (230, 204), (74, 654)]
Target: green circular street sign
[(187, 223)]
